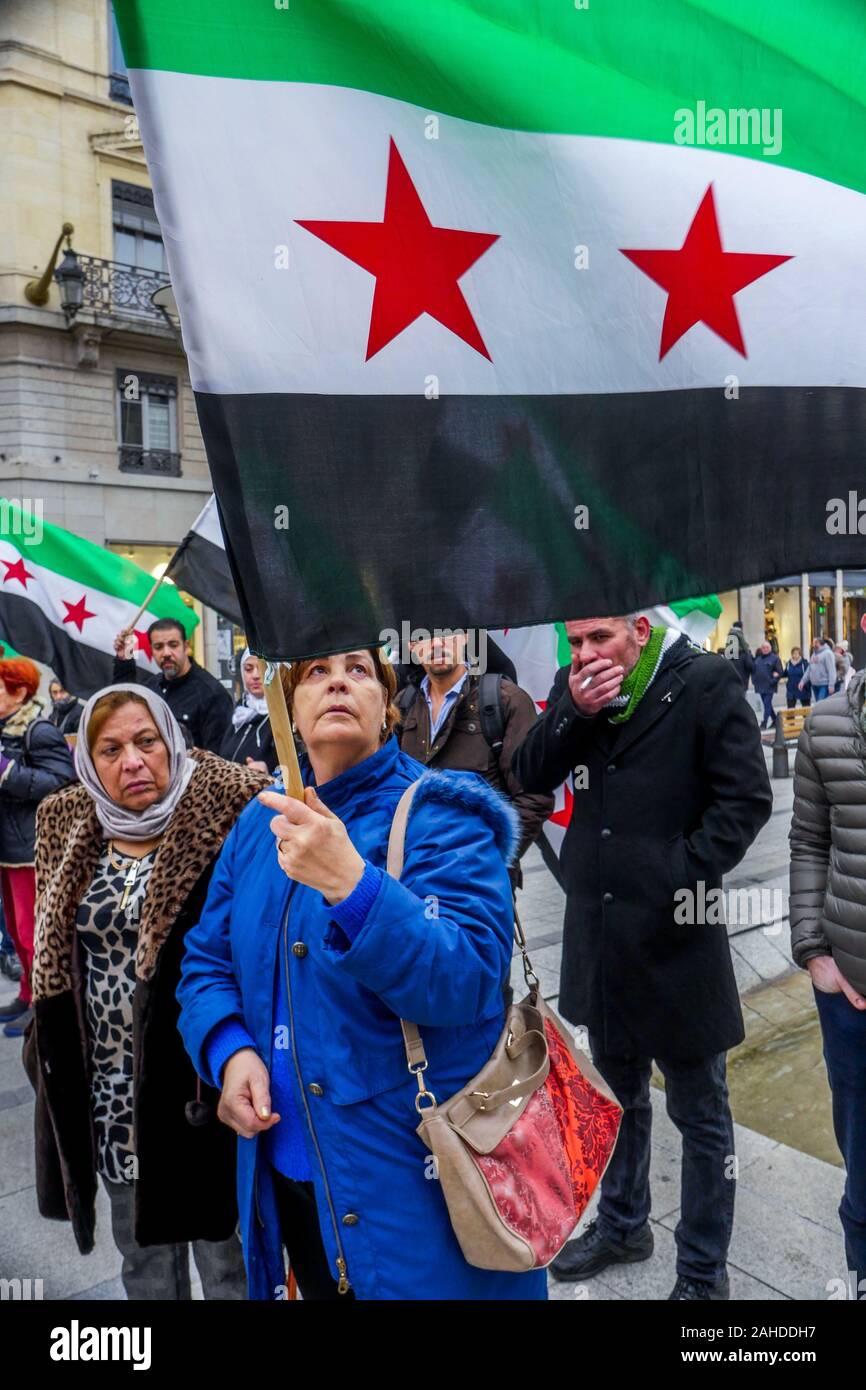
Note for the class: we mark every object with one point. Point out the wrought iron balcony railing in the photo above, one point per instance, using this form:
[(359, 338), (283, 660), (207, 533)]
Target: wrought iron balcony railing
[(124, 291), (134, 459)]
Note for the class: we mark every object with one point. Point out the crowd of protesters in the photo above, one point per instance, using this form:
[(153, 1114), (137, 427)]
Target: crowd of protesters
[(211, 973)]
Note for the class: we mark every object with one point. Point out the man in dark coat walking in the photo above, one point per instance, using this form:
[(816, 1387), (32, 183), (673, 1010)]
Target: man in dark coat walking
[(673, 789), (201, 706), (766, 674)]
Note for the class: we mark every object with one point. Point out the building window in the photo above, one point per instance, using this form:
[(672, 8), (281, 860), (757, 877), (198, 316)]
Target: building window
[(147, 423), (137, 235), (118, 82)]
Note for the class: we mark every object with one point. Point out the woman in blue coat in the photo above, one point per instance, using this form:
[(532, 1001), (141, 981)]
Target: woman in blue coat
[(294, 981)]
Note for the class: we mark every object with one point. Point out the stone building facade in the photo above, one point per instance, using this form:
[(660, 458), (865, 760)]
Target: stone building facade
[(97, 417)]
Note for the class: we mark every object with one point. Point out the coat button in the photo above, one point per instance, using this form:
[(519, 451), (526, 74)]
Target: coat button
[(606, 833), (298, 948), (316, 1089), (611, 767), (350, 1219), (472, 728), (607, 899)]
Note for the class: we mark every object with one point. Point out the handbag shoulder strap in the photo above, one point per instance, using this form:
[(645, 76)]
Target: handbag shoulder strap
[(416, 1057)]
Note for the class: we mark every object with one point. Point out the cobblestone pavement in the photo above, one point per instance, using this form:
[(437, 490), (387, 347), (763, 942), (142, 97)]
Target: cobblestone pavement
[(787, 1241)]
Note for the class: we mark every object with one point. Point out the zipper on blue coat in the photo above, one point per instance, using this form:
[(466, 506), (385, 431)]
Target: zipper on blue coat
[(343, 1285)]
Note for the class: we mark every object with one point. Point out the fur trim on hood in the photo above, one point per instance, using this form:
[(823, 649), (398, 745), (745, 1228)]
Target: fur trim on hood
[(469, 791), (20, 718)]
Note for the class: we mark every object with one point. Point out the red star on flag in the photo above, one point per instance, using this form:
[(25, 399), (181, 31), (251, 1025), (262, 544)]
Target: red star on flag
[(143, 643), (416, 265), (77, 613), (701, 279), (15, 570)]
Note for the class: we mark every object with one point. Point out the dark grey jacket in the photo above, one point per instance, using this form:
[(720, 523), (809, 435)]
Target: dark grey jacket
[(828, 836)]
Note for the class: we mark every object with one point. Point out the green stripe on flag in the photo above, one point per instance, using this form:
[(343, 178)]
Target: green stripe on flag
[(563, 647), (90, 565), (711, 605), (620, 68)]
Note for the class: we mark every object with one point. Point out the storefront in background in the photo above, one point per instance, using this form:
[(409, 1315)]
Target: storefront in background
[(790, 622), (835, 603), (783, 627)]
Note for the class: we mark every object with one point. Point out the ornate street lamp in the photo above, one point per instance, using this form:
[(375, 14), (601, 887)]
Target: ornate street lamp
[(70, 278)]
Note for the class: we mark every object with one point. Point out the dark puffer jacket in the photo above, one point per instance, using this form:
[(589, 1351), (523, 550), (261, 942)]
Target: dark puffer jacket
[(828, 836), (39, 763)]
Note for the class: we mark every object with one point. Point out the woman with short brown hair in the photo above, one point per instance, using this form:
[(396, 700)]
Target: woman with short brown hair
[(306, 957)]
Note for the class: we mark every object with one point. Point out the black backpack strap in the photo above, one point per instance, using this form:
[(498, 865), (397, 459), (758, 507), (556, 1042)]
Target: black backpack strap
[(28, 732), (490, 709), (405, 698)]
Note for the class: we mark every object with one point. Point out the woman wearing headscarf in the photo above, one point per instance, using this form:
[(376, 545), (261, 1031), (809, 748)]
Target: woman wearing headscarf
[(34, 761), (123, 863), (306, 957), (249, 739)]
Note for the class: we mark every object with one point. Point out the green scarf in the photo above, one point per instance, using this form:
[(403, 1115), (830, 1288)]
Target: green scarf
[(639, 678)]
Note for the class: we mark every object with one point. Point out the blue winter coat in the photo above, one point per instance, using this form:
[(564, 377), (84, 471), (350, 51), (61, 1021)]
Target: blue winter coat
[(766, 673), (435, 948)]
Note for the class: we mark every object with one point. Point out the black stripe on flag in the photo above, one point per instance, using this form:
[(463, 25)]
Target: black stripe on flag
[(79, 668), (462, 511), (202, 569)]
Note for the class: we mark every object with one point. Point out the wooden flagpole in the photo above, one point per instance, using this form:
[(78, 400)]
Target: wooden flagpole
[(281, 728), (147, 601)]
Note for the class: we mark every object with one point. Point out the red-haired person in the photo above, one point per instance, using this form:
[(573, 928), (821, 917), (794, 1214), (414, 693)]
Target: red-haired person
[(34, 761)]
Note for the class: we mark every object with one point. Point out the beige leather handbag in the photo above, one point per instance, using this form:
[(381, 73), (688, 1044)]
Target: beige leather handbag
[(520, 1149)]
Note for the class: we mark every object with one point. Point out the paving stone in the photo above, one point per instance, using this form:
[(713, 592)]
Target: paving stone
[(749, 1145), (16, 1148), (110, 1290), (35, 1248), (652, 1278), (745, 974), (797, 1182), (761, 953), (545, 963), (12, 1074), (781, 1249), (588, 1291)]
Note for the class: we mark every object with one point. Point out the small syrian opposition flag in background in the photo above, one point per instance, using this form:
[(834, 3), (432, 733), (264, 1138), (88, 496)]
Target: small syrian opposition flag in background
[(63, 600), (512, 309), (539, 652), (200, 567)]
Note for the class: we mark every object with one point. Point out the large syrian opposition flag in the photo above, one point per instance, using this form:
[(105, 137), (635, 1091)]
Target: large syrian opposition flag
[(497, 311), (63, 600)]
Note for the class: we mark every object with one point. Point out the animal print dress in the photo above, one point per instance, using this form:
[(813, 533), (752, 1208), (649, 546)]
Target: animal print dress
[(109, 938)]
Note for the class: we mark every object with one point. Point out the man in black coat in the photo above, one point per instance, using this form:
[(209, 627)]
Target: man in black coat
[(201, 706), (738, 653), (671, 789), (766, 674)]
